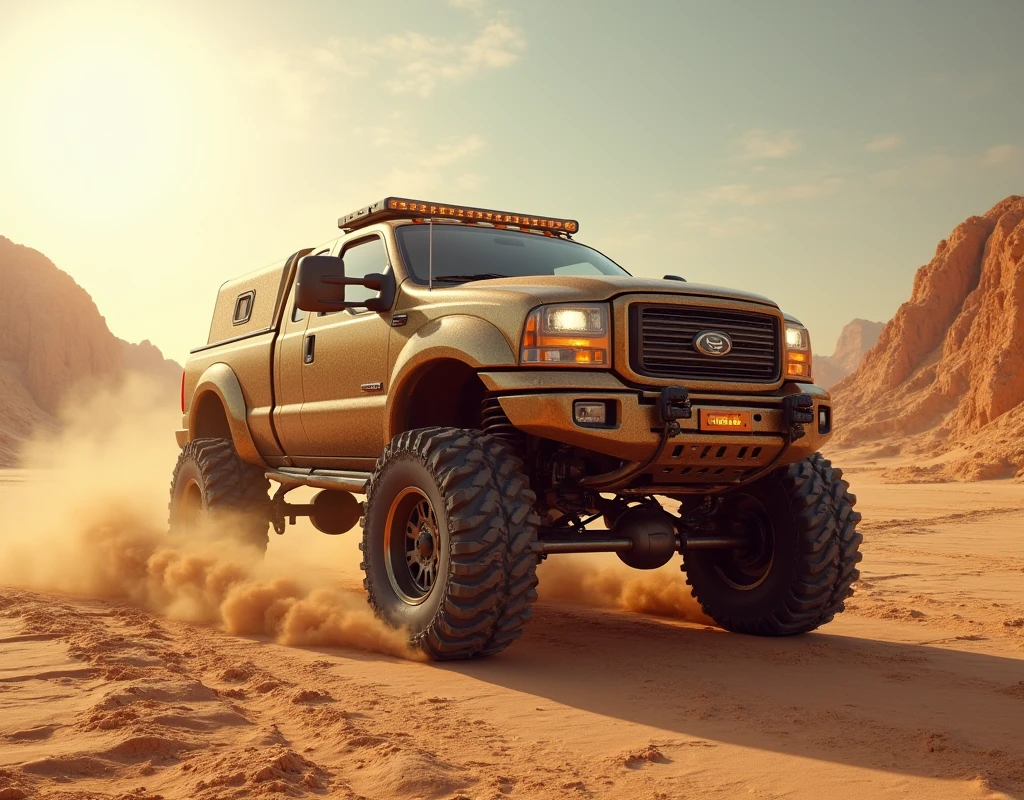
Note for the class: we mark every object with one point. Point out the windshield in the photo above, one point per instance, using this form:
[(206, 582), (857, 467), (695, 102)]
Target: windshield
[(463, 253)]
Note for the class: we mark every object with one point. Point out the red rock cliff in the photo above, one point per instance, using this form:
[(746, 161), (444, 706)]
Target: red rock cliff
[(855, 340), (52, 339), (50, 328), (951, 362)]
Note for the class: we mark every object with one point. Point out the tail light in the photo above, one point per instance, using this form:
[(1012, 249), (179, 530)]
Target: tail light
[(183, 391)]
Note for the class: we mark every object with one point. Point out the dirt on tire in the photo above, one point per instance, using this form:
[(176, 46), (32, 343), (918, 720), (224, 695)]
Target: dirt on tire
[(230, 487), (817, 549), (483, 595)]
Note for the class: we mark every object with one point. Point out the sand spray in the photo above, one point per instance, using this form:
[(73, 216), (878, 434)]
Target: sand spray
[(90, 518)]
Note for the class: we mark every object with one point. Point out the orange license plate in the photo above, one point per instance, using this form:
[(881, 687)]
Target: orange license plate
[(724, 420)]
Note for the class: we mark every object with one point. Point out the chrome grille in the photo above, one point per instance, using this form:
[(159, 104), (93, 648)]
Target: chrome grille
[(662, 344)]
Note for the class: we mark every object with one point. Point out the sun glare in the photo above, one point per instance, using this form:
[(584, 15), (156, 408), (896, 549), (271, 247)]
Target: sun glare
[(102, 128)]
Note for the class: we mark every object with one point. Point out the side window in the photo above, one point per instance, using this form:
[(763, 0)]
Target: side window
[(363, 258), (243, 308)]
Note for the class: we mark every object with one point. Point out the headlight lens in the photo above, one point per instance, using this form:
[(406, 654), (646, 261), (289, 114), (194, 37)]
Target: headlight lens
[(798, 352), (797, 338), (567, 335), (574, 320)]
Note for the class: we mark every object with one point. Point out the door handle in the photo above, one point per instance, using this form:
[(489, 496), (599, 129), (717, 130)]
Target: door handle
[(309, 351)]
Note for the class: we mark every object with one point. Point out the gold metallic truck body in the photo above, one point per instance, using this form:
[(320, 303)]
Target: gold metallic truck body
[(494, 390), (373, 370)]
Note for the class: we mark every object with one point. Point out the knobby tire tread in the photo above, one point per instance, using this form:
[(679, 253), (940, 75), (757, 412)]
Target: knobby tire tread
[(826, 556), (229, 484), (493, 549)]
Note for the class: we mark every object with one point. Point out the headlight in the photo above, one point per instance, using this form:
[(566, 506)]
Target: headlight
[(569, 335), (798, 352)]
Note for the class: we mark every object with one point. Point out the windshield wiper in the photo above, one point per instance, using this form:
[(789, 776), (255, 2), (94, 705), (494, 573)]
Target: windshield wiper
[(479, 276)]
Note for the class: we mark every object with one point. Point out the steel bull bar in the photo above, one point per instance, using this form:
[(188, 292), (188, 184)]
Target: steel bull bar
[(673, 405)]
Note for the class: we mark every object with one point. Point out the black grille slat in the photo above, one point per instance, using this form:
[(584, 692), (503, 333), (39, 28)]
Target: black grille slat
[(709, 319), (713, 317), (663, 344), (673, 336), (672, 353)]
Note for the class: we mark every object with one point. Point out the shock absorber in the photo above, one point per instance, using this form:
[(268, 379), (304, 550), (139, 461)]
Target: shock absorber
[(496, 423)]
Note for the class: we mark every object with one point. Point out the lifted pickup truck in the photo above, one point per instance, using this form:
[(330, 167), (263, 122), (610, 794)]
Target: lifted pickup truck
[(494, 389)]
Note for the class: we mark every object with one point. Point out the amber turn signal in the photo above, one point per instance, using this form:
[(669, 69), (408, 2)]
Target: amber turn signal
[(798, 352)]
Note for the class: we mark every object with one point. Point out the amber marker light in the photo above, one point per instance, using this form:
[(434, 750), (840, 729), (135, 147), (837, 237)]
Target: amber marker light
[(567, 335), (798, 352)]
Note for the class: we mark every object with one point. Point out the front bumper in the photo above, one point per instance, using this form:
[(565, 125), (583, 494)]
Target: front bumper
[(691, 456)]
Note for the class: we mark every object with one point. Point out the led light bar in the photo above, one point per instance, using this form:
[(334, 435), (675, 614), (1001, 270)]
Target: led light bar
[(402, 208)]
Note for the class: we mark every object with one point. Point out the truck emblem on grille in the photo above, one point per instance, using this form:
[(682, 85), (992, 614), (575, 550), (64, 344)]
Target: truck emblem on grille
[(712, 343)]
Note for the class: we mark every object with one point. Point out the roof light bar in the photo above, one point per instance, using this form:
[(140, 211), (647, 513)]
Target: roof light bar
[(402, 208)]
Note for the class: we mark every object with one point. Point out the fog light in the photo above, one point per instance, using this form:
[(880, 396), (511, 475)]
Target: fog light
[(824, 420), (590, 413)]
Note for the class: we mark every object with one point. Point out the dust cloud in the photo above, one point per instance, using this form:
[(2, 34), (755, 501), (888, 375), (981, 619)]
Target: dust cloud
[(603, 581), (91, 518)]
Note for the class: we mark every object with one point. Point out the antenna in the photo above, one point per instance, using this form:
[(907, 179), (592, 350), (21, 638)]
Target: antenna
[(430, 257)]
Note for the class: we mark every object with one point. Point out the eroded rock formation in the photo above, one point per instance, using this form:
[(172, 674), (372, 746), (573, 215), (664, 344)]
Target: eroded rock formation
[(855, 340), (52, 340), (948, 370)]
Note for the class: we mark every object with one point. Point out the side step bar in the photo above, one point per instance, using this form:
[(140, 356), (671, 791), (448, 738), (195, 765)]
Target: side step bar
[(344, 480)]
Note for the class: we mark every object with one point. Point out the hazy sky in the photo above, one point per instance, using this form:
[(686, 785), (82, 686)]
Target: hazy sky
[(814, 152)]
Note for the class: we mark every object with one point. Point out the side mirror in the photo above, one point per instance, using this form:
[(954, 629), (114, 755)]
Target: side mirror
[(320, 286)]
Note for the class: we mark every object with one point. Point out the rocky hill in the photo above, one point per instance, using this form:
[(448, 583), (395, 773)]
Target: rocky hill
[(946, 376), (145, 357), (855, 340), (53, 339)]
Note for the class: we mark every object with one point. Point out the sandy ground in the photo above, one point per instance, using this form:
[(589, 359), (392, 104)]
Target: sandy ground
[(917, 691)]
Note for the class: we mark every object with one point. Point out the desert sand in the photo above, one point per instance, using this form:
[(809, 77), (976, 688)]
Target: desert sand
[(136, 666)]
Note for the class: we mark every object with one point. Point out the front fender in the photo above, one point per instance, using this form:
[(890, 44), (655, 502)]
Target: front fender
[(471, 340), (220, 380)]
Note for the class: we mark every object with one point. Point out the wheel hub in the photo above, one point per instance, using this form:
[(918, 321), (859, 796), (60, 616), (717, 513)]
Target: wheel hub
[(191, 508), (411, 546), (425, 545), (746, 568)]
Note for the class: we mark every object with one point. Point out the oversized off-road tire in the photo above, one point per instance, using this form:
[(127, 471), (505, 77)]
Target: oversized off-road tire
[(214, 488), (802, 561), (449, 544)]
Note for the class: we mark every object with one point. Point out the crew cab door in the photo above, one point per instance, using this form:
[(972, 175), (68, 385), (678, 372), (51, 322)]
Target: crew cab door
[(345, 360)]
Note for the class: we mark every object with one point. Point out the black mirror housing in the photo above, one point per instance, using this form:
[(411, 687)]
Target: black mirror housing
[(320, 286)]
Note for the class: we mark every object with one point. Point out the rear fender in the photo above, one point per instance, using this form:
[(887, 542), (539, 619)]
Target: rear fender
[(221, 381)]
